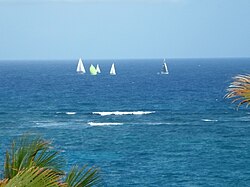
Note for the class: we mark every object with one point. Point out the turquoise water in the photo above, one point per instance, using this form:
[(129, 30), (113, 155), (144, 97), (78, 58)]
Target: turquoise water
[(176, 129)]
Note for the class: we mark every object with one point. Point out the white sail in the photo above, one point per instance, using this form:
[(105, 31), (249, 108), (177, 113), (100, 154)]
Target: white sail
[(112, 70), (164, 67), (98, 69), (80, 68)]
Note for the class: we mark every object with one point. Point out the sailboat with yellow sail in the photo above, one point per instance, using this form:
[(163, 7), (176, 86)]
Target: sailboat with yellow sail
[(92, 70)]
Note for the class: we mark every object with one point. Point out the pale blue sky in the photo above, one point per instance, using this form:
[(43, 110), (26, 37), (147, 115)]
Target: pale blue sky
[(111, 29)]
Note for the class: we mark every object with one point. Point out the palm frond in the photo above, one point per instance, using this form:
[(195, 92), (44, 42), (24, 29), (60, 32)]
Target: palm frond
[(29, 152), (34, 176), (83, 177), (50, 159), (239, 90), (31, 162)]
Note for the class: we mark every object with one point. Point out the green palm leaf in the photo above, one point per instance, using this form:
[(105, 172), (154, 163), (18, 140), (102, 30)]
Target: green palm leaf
[(30, 152), (83, 177), (31, 163), (35, 177), (49, 159)]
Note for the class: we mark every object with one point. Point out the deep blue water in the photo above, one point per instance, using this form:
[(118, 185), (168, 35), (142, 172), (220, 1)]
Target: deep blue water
[(193, 137)]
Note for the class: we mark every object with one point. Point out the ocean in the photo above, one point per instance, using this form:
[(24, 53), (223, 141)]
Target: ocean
[(139, 127)]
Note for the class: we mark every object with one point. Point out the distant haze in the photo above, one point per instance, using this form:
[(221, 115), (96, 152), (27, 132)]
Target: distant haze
[(115, 29)]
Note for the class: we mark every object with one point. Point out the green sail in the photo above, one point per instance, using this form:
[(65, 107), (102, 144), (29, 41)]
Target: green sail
[(92, 70)]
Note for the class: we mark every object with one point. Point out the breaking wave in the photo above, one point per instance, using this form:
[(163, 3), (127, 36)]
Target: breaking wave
[(103, 124), (71, 113), (123, 113), (209, 120), (68, 113)]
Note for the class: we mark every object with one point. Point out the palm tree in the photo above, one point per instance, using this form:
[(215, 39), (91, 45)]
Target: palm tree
[(239, 90), (31, 162)]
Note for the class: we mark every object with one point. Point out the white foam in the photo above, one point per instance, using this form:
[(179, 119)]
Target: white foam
[(103, 124), (71, 113), (68, 113), (159, 123), (48, 121), (123, 113), (50, 124), (209, 120)]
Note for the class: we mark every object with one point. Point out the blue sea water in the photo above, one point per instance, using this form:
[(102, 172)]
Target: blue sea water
[(192, 137)]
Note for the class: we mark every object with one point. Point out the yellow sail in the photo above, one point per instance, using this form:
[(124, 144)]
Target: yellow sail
[(92, 70)]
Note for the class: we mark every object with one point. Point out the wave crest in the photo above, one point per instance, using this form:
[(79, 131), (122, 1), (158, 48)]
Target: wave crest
[(70, 113), (103, 124), (209, 120), (123, 113)]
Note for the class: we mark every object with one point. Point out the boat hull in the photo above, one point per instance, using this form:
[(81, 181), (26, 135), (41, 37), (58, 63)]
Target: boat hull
[(164, 73)]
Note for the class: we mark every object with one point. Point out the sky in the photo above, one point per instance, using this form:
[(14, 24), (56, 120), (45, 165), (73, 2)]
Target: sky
[(124, 29)]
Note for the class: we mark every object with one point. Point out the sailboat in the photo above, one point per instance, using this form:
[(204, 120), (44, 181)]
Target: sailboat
[(92, 70), (80, 68), (112, 70), (98, 69), (164, 67)]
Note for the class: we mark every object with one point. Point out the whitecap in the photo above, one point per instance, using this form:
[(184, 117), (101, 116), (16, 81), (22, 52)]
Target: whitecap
[(209, 120), (71, 113), (158, 123), (123, 113), (103, 124)]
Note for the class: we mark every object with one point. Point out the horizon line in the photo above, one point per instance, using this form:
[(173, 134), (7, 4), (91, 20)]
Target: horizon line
[(158, 58)]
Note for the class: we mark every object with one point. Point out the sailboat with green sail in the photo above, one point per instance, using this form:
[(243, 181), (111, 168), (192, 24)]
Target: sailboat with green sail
[(92, 70)]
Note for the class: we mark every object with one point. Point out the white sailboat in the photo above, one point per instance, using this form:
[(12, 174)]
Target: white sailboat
[(112, 70), (80, 68), (164, 68), (98, 69)]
